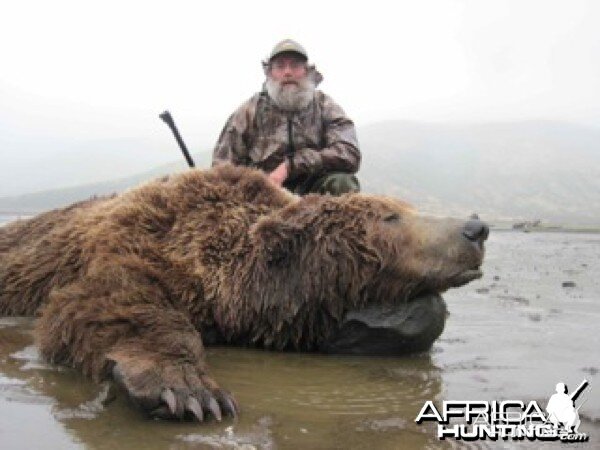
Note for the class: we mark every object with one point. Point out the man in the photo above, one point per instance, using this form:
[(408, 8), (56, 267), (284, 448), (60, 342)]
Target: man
[(298, 135)]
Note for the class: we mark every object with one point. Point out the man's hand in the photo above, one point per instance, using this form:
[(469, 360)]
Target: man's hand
[(280, 174)]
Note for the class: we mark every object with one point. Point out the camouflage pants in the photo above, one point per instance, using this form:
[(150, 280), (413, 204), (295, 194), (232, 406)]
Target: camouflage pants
[(335, 183)]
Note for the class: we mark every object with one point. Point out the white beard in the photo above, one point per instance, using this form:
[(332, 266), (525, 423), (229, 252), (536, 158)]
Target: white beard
[(291, 97)]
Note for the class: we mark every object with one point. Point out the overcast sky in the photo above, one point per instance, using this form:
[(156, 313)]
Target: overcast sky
[(76, 71)]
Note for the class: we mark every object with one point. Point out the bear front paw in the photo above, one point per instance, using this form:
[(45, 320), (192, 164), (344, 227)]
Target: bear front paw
[(174, 392)]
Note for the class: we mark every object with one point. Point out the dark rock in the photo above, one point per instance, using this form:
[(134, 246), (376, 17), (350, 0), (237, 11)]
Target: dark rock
[(405, 328), (591, 370), (453, 341), (515, 299), (384, 424), (568, 284)]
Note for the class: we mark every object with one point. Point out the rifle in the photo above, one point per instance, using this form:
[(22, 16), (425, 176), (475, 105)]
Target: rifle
[(168, 119), (290, 149)]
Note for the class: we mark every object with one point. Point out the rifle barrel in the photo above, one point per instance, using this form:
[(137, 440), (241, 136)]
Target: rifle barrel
[(579, 389), (168, 119)]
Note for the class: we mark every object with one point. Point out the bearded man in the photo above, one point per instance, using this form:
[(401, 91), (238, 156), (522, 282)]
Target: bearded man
[(298, 135)]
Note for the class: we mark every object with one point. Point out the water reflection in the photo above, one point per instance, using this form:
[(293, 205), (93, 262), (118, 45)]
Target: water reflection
[(288, 401)]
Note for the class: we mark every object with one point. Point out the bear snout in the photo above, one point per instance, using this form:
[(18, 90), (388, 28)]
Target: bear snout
[(476, 231)]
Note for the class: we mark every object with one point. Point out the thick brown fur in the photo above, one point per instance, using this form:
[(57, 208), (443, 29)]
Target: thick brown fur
[(126, 285)]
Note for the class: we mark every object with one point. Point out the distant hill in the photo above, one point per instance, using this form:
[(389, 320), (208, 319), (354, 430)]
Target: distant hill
[(54, 198), (503, 171), (529, 170)]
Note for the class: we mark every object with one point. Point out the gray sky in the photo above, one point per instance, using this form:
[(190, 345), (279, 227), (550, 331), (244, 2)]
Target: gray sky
[(78, 71)]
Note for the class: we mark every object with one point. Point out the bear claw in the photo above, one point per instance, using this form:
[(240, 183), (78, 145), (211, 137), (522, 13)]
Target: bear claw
[(213, 406), (227, 403), (194, 407), (168, 397)]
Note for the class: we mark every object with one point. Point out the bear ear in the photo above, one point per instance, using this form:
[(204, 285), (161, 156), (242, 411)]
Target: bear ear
[(275, 239)]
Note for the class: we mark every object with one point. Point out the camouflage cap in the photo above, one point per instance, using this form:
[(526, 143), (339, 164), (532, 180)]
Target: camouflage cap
[(287, 45)]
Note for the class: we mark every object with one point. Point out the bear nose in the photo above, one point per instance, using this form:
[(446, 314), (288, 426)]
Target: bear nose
[(475, 230)]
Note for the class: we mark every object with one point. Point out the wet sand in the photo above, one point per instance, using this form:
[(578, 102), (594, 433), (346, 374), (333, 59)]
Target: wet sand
[(511, 335)]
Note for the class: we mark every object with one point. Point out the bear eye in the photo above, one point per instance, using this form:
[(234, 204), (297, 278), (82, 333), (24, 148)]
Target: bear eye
[(392, 218)]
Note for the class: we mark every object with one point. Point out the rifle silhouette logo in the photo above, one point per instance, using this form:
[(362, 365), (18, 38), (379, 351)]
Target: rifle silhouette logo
[(561, 407)]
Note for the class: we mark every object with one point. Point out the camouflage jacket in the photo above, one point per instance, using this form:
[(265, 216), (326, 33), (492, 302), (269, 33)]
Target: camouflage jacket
[(257, 135)]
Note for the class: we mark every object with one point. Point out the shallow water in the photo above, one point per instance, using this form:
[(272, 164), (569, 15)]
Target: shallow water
[(511, 335), (10, 217)]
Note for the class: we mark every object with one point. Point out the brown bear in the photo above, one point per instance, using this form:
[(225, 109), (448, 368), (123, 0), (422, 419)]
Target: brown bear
[(128, 286)]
